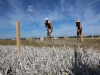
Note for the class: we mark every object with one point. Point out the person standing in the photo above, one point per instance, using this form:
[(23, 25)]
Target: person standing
[(49, 27), (79, 29)]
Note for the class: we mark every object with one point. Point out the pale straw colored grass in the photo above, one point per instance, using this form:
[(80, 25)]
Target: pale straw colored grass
[(49, 61)]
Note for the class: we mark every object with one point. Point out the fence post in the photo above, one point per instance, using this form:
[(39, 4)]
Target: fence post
[(18, 35)]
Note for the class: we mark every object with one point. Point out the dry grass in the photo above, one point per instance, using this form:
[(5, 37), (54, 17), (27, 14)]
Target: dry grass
[(49, 61), (56, 57), (74, 43)]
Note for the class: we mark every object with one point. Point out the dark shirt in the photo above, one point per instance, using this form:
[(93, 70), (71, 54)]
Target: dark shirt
[(78, 25), (47, 24)]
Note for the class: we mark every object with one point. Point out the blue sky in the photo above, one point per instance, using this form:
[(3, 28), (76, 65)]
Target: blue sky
[(62, 13)]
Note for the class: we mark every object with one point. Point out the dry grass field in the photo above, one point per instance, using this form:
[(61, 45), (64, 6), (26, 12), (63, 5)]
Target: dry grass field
[(56, 57), (71, 42)]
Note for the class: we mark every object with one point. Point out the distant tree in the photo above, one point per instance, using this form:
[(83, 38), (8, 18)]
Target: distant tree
[(61, 37)]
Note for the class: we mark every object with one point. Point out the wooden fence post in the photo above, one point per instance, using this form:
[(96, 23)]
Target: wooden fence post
[(18, 35)]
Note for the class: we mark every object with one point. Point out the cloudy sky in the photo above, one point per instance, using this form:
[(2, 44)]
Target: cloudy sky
[(62, 13)]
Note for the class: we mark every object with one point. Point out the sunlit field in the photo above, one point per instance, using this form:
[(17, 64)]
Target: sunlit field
[(56, 57)]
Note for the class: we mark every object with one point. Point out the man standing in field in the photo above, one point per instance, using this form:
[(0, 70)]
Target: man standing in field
[(79, 29), (49, 27)]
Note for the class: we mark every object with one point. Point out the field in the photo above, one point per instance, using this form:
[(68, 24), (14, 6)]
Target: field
[(56, 57)]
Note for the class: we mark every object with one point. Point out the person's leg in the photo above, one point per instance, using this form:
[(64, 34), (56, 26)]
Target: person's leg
[(77, 34), (47, 34), (50, 34), (81, 35)]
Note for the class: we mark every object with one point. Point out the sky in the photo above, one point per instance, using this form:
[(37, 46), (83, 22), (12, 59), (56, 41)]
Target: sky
[(62, 14)]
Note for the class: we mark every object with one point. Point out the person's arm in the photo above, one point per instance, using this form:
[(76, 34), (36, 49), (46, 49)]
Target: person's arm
[(80, 26), (51, 25)]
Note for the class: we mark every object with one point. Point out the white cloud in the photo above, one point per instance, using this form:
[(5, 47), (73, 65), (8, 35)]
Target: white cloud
[(65, 15), (30, 8)]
